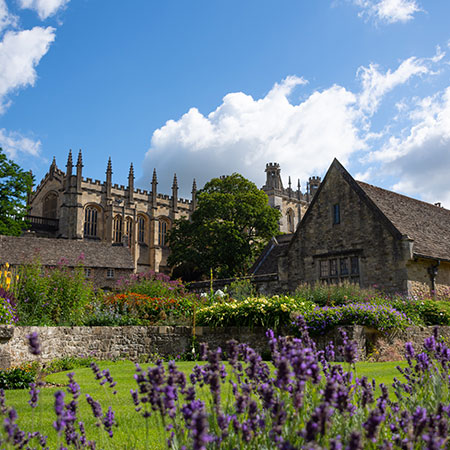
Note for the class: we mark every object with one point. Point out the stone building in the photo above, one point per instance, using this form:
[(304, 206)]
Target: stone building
[(67, 205), (103, 264), (363, 234)]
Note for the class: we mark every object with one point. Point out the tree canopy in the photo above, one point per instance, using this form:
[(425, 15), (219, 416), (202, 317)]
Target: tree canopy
[(15, 183), (227, 231)]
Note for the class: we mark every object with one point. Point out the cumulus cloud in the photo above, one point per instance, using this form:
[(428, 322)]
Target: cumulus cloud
[(6, 18), (420, 159), (242, 134), (44, 8), (20, 52), (15, 145), (388, 11)]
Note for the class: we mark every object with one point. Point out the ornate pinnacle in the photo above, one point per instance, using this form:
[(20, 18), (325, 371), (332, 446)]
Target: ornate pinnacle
[(80, 159), (154, 179), (54, 162), (175, 181), (69, 159), (194, 186), (109, 166), (131, 173)]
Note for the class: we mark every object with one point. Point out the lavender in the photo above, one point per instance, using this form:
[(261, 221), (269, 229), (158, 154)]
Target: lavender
[(34, 344)]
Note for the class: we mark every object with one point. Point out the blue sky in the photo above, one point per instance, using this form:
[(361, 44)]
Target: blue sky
[(204, 88)]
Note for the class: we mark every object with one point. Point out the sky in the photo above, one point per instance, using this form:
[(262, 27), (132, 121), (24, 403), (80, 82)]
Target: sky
[(204, 88)]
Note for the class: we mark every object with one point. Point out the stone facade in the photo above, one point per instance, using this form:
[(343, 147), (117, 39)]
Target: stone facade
[(67, 205), (138, 342), (362, 234)]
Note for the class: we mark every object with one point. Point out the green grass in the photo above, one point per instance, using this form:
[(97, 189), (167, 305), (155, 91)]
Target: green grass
[(131, 433)]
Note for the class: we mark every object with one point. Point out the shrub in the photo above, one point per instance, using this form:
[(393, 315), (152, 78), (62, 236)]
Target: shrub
[(19, 377), (8, 315), (150, 310), (240, 289), (66, 363), (271, 312), (334, 295), (381, 317), (53, 296), (100, 313)]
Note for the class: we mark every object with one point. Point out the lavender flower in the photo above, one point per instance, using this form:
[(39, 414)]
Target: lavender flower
[(34, 344)]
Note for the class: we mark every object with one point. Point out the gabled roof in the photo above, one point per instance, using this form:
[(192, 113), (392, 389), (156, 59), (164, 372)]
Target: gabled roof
[(426, 224), (267, 262), (22, 250)]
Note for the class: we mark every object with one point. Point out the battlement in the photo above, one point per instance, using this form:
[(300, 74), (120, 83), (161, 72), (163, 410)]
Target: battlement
[(315, 179), (271, 165)]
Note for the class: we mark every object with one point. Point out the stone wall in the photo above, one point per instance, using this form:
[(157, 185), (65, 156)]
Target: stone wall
[(137, 342)]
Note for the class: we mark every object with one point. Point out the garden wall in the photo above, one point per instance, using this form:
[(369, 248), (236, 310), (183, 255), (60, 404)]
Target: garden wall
[(136, 342)]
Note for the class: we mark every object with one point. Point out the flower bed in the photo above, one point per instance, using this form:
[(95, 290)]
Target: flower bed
[(270, 312)]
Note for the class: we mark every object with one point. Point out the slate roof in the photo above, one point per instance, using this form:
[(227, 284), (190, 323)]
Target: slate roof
[(428, 225), (22, 250), (267, 262)]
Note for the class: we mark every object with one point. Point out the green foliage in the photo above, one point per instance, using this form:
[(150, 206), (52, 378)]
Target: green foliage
[(55, 296), (270, 312), (232, 223), (241, 289), (15, 184), (66, 363), (19, 377), (333, 295), (380, 317)]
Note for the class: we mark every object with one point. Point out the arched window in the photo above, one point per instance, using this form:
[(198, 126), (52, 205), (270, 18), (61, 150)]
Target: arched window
[(290, 220), (50, 206), (129, 230), (162, 233), (90, 221), (141, 229), (117, 229)]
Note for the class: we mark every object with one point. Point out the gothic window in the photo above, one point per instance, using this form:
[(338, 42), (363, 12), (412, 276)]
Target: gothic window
[(141, 229), (344, 267), (50, 206), (290, 221), (162, 233), (90, 221), (117, 229), (129, 230)]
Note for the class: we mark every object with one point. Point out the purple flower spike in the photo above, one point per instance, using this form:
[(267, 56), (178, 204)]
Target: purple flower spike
[(34, 344)]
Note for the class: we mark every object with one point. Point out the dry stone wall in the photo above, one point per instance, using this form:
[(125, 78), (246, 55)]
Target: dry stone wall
[(137, 342)]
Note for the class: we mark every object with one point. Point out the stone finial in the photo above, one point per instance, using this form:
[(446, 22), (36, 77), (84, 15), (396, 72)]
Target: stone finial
[(155, 178), (109, 167), (299, 192), (194, 186), (69, 160), (194, 195), (80, 159), (131, 173), (175, 182), (290, 186)]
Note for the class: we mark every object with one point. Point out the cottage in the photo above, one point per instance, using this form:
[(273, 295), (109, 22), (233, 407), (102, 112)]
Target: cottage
[(363, 234), (103, 263)]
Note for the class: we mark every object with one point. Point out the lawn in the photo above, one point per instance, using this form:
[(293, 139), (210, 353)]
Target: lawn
[(131, 432)]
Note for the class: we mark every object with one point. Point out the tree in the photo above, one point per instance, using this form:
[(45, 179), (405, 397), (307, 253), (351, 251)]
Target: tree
[(15, 184), (230, 226)]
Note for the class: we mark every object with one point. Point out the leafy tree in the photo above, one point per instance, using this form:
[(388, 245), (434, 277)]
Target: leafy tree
[(230, 226), (15, 184)]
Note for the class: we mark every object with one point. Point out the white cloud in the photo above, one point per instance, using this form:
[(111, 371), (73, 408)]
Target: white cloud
[(420, 159), (376, 84), (14, 144), (388, 11), (44, 8), (242, 134), (6, 18), (20, 52)]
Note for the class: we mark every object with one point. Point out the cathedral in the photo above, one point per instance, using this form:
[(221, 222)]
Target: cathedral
[(69, 206)]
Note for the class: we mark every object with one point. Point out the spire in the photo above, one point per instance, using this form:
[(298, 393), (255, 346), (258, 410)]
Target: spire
[(290, 186), (52, 169), (299, 192), (194, 195), (175, 193), (69, 160), (108, 183), (80, 159), (154, 193), (131, 184)]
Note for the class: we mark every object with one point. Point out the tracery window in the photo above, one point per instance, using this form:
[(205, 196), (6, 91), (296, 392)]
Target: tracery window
[(129, 230), (290, 221), (50, 206), (117, 229), (141, 229), (90, 221), (162, 233)]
